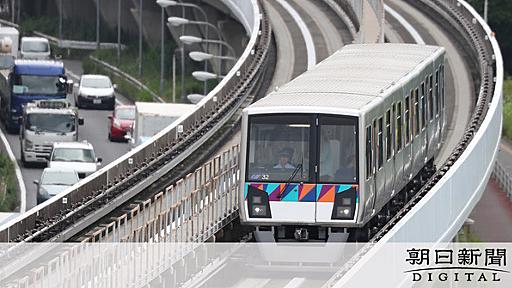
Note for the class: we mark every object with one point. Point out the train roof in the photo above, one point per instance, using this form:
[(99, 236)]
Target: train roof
[(353, 76)]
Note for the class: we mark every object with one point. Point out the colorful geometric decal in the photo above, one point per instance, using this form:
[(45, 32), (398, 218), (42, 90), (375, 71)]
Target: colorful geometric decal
[(301, 192)]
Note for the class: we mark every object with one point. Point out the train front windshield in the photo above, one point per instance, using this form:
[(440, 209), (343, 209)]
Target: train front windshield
[(286, 148)]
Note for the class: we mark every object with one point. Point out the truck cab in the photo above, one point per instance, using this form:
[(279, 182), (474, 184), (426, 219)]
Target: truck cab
[(43, 123), (27, 81)]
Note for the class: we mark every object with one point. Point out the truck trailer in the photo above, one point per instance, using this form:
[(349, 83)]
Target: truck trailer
[(152, 118)]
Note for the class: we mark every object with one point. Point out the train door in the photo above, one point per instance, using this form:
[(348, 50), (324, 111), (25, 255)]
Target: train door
[(423, 120), (431, 119), (417, 160), (380, 173), (389, 162), (398, 145), (337, 168), (369, 182), (407, 151)]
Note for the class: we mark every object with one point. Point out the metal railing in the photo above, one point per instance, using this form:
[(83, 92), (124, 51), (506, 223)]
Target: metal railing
[(503, 177), (136, 170), (76, 44), (192, 210)]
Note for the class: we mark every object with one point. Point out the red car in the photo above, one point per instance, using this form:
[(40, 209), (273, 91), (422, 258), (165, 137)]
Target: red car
[(120, 122)]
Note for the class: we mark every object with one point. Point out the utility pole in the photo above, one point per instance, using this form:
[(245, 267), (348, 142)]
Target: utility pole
[(140, 38), (60, 19), (97, 24), (118, 31), (162, 57), (485, 10)]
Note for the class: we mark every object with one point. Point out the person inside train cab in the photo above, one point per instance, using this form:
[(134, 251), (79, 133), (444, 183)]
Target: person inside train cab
[(285, 156)]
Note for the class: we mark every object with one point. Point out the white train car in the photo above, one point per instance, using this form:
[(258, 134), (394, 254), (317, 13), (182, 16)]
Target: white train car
[(328, 151)]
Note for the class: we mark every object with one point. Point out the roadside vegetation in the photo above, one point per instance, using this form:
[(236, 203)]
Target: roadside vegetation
[(8, 186), (507, 108), (151, 71), (78, 29)]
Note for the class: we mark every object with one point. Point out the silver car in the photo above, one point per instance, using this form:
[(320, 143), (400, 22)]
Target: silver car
[(95, 91), (53, 181)]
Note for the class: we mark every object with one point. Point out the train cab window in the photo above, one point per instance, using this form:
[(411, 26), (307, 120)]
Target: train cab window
[(279, 148), (369, 152), (389, 150), (416, 113), (338, 153), (380, 144), (407, 120), (398, 127)]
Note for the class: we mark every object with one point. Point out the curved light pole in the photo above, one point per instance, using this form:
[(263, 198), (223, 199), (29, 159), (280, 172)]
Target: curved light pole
[(202, 56), (168, 3), (195, 98), (189, 40), (205, 76)]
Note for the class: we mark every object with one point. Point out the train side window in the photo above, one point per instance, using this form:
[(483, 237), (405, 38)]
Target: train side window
[(441, 81), (369, 151), (438, 95), (380, 144), (389, 149), (423, 107), (416, 113), (436, 99), (407, 120), (398, 127), (430, 101)]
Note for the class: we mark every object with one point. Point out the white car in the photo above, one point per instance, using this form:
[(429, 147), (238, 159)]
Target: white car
[(95, 91), (79, 156), (53, 181), (35, 48)]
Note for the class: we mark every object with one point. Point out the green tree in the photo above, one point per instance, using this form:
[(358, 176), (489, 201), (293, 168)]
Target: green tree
[(500, 20)]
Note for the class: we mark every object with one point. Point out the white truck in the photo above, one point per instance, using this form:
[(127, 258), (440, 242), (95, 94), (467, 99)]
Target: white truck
[(152, 118), (35, 48), (9, 38), (43, 123)]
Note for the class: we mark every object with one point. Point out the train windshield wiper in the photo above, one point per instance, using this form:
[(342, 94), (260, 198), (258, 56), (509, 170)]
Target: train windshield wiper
[(295, 171)]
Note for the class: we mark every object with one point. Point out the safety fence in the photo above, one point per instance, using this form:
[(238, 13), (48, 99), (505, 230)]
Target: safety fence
[(503, 177), (122, 179), (192, 210)]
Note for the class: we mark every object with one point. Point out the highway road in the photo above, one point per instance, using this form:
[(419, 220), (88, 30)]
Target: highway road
[(94, 130)]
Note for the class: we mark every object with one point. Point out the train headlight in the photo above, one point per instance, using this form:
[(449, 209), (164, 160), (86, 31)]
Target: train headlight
[(258, 204), (344, 205)]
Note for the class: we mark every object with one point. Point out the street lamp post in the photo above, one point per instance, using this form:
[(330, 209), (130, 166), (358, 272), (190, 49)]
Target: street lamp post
[(97, 24), (178, 21), (202, 56), (486, 4), (162, 57), (167, 3), (60, 19), (140, 38), (118, 31), (187, 39)]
